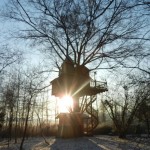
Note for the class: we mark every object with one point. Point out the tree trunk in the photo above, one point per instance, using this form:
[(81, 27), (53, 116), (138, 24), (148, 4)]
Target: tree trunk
[(10, 126), (122, 135), (148, 127), (26, 125)]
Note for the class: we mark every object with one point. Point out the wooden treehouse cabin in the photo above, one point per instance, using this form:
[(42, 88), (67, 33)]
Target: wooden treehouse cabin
[(74, 80)]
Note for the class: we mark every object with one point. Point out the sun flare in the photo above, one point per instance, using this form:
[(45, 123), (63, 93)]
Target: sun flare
[(65, 104)]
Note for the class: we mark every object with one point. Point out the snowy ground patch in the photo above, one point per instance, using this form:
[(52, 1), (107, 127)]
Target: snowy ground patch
[(98, 142)]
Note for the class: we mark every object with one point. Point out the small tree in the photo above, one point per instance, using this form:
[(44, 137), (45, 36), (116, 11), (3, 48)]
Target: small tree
[(143, 112), (32, 86), (123, 110), (2, 116)]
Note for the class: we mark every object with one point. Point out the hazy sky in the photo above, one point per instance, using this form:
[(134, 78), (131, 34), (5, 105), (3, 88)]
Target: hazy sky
[(32, 55), (6, 27)]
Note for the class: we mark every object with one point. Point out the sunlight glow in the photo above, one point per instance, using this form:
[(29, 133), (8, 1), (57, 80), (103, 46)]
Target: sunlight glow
[(65, 104), (81, 87)]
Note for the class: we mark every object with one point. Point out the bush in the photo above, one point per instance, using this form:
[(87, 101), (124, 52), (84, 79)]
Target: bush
[(32, 131), (103, 129)]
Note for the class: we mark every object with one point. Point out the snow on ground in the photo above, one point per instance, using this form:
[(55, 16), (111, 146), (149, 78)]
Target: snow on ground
[(99, 142)]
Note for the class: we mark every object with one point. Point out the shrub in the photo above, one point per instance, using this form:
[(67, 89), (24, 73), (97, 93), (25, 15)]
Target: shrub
[(103, 129)]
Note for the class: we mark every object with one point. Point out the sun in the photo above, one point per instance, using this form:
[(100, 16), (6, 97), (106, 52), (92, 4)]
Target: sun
[(65, 104)]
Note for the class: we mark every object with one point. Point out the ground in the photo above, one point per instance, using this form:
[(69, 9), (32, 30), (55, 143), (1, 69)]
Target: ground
[(98, 142)]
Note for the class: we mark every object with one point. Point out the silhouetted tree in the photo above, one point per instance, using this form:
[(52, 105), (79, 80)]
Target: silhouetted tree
[(33, 85), (10, 100), (143, 112), (123, 109), (2, 116), (89, 31)]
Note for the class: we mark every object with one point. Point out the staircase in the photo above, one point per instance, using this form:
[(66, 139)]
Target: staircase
[(92, 113)]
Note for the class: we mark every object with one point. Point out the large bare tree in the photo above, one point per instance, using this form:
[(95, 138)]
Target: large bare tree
[(89, 31)]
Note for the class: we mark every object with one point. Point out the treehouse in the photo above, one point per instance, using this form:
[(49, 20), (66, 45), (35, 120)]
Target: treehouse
[(74, 80)]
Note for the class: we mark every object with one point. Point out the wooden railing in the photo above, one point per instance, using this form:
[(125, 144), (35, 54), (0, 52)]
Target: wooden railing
[(98, 84)]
